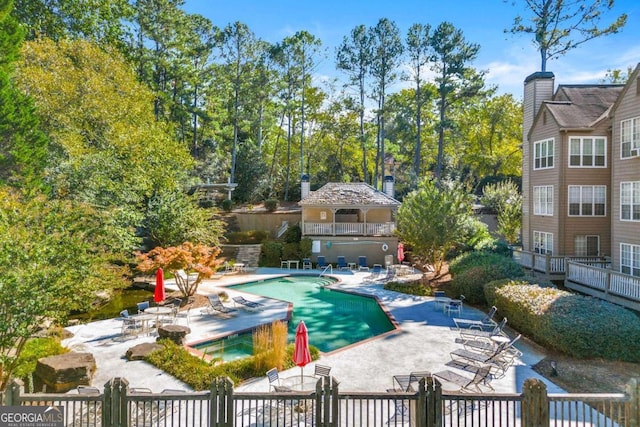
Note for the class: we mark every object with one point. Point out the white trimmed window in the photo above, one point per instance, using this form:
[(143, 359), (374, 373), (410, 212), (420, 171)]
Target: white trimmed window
[(587, 200), (587, 245), (629, 137), (588, 152), (543, 154), (543, 200), (630, 259), (630, 201), (542, 242)]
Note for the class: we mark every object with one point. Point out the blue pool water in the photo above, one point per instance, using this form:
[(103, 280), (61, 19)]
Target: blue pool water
[(334, 319)]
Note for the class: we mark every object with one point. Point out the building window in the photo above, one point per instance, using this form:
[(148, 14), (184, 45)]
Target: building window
[(630, 259), (629, 137), (542, 242), (587, 200), (323, 215), (543, 200), (587, 152), (630, 201), (587, 245), (543, 154)]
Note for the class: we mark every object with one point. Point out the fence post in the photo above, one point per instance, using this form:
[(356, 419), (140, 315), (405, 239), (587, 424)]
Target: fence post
[(535, 404), (323, 401), (547, 264), (436, 417), (221, 403), (229, 418), (607, 284), (335, 403), (633, 388), (423, 407), (107, 405), (118, 402), (12, 394)]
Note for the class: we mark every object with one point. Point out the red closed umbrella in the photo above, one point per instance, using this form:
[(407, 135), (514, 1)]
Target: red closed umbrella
[(158, 292), (301, 355), (400, 253)]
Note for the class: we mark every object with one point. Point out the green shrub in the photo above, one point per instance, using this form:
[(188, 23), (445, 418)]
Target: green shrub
[(576, 325), (291, 250), (227, 205), (305, 247), (293, 234), (483, 258), (247, 237), (271, 254), (496, 246), (472, 270), (491, 287), (271, 205), (415, 287), (35, 349), (199, 373)]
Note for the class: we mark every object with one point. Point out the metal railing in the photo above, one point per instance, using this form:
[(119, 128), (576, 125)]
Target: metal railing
[(428, 406)]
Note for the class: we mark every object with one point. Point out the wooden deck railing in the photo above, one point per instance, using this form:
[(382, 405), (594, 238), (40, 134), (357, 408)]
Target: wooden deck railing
[(349, 229), (429, 406), (554, 266), (606, 284)]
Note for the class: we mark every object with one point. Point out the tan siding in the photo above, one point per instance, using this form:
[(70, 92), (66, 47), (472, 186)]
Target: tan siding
[(535, 92), (623, 170), (548, 224), (576, 226)]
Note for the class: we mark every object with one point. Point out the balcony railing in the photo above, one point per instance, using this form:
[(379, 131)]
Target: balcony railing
[(554, 265), (590, 275), (348, 229), (604, 283)]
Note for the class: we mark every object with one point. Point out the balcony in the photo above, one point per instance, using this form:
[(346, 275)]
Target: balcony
[(588, 275), (348, 229)]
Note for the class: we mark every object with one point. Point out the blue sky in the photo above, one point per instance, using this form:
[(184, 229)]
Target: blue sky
[(507, 59)]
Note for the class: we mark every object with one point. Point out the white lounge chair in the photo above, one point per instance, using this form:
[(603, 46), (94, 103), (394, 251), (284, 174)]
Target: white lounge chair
[(247, 305), (482, 377), (486, 322), (217, 308)]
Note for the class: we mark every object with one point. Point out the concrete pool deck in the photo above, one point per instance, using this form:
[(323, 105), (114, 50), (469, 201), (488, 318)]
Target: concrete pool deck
[(422, 342)]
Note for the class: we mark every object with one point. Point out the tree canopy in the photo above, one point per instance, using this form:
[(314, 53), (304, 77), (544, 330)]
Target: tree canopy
[(558, 26), (433, 220)]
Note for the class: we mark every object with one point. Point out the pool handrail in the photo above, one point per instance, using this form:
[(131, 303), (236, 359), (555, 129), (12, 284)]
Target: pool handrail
[(324, 270)]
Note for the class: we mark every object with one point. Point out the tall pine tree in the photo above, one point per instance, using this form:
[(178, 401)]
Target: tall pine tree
[(22, 145)]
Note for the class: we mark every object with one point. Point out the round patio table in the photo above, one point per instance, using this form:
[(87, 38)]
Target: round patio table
[(300, 383)]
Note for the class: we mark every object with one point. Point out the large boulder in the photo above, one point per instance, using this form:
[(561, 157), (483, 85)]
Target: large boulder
[(175, 333), (140, 351), (64, 372)]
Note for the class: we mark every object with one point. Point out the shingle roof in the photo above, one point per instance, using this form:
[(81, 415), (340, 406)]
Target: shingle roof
[(581, 106), (348, 194)]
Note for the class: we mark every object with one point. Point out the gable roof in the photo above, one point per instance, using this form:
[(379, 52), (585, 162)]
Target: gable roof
[(633, 77), (582, 106), (348, 195)]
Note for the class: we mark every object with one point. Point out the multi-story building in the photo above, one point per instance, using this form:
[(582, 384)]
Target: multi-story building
[(581, 174)]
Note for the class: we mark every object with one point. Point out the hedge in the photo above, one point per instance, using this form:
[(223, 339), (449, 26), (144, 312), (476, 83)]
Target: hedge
[(576, 325), (491, 287), (472, 270)]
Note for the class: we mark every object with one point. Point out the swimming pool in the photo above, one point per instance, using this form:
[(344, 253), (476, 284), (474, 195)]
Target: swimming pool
[(334, 319)]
